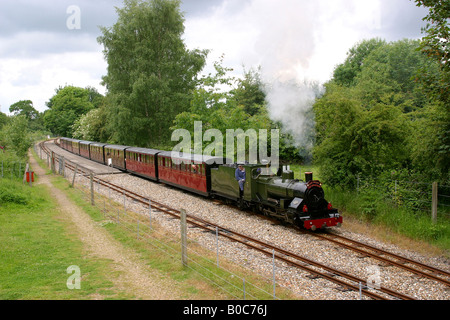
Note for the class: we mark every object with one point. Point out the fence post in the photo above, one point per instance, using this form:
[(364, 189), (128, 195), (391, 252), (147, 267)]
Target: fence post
[(74, 175), (243, 285), (217, 245), (92, 189), (150, 212), (434, 202), (273, 267), (183, 238)]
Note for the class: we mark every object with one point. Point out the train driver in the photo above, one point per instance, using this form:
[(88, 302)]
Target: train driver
[(240, 177)]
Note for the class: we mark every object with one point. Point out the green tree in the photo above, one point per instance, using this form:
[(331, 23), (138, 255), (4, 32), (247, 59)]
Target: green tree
[(377, 123), (91, 126), (15, 136), (67, 106), (435, 82), (34, 117), (249, 92), (24, 107), (151, 73), (345, 73), (3, 119), (216, 103)]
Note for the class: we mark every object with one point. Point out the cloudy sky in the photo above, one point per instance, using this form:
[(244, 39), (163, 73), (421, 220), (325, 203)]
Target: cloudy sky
[(45, 44)]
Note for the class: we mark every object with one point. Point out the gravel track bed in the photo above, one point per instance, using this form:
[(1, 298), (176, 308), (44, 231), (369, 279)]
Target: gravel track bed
[(285, 237)]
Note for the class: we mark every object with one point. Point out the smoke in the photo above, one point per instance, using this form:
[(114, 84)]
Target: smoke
[(291, 104), (286, 45), (295, 42)]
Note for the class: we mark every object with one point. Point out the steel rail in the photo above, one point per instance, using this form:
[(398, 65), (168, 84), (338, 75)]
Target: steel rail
[(354, 246)]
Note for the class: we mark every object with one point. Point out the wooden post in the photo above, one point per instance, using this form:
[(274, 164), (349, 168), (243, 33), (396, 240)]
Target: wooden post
[(92, 189), (74, 174), (183, 238), (434, 202)]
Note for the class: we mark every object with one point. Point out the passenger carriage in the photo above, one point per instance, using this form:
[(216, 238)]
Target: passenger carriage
[(143, 162), (84, 149), (97, 152), (117, 155), (187, 171)]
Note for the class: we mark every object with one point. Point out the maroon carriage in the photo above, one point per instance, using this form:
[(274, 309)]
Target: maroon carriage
[(188, 171), (143, 162), (97, 152), (115, 156), (84, 149)]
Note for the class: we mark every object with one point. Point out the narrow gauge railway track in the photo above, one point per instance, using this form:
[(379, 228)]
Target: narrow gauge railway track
[(280, 254), (386, 257)]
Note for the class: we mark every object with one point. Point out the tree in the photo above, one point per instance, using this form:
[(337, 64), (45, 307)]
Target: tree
[(3, 119), (24, 107), (65, 107), (15, 136), (151, 73), (346, 73), (382, 121), (90, 126), (435, 81), (249, 92)]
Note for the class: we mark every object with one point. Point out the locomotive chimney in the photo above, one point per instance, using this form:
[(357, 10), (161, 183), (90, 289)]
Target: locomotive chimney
[(308, 176)]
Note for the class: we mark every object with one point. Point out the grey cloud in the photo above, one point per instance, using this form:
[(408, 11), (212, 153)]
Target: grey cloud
[(51, 15)]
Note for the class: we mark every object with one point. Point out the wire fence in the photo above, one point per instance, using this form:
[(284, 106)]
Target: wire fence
[(206, 261), (428, 198)]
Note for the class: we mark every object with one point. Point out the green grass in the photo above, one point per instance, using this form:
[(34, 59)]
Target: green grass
[(37, 247)]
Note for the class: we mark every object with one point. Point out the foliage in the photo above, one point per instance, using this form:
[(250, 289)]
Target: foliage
[(67, 106), (435, 81), (223, 103), (12, 193), (151, 73), (25, 108), (379, 119), (3, 119), (14, 136), (91, 126)]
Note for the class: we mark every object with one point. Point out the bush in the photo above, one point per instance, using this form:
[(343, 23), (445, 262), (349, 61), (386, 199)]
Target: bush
[(11, 192)]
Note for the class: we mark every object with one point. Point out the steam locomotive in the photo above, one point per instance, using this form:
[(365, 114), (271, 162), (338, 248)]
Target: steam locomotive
[(274, 194)]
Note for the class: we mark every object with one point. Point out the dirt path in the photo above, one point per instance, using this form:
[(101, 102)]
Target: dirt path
[(133, 277)]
